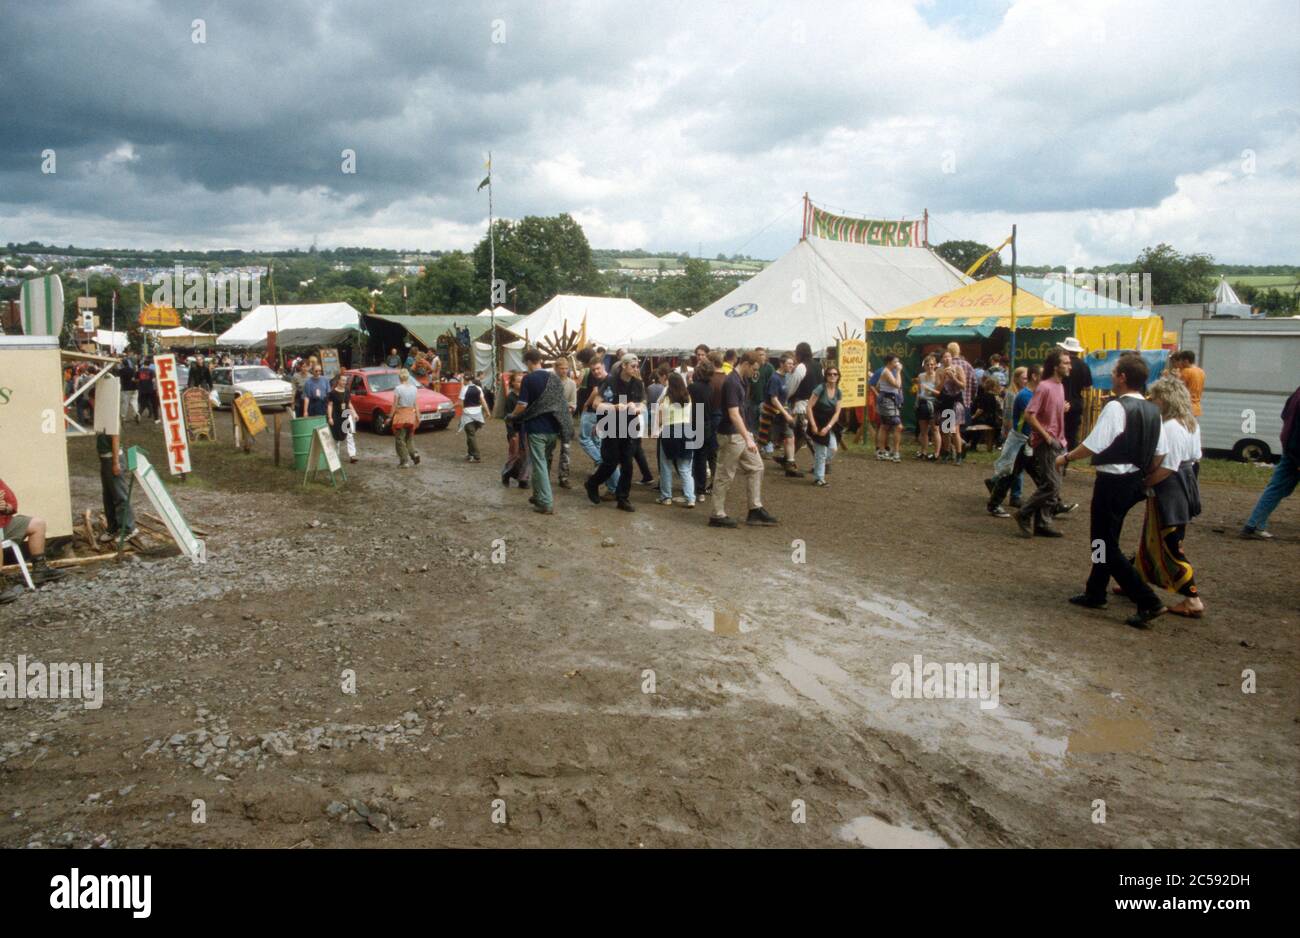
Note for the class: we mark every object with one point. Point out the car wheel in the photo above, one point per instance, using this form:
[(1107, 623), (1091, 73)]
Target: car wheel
[(380, 422), (1251, 451)]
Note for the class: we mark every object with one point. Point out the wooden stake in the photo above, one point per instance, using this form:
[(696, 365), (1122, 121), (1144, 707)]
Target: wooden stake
[(276, 415)]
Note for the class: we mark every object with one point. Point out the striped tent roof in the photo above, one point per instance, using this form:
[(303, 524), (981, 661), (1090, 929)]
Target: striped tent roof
[(1065, 321)]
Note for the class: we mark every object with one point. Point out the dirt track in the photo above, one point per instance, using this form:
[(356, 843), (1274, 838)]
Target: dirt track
[(523, 681)]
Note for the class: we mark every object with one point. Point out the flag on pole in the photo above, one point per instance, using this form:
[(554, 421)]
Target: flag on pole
[(487, 180)]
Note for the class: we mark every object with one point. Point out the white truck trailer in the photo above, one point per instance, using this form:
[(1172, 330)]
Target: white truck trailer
[(1251, 367)]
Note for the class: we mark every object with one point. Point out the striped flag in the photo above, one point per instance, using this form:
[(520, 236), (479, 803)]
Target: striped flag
[(42, 305)]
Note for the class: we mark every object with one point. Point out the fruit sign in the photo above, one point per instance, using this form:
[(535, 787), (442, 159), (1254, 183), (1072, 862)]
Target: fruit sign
[(173, 420)]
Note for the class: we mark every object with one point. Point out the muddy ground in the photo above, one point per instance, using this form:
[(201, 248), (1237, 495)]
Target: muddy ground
[(519, 687)]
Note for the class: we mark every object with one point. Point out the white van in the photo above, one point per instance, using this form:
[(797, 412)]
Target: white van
[(1251, 367)]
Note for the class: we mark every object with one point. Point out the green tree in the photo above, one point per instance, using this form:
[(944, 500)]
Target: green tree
[(1175, 277), (961, 254), (448, 285), (539, 257)]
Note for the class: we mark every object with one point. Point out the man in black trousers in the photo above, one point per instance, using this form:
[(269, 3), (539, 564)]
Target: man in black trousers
[(1126, 443)]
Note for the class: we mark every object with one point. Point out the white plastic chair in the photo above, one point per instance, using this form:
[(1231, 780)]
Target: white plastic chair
[(22, 563)]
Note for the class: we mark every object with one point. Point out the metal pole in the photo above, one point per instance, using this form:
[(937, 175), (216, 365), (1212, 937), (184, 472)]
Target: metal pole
[(1013, 298), (492, 281)]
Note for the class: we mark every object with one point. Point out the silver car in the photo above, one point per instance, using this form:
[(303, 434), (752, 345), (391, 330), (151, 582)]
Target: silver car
[(268, 388)]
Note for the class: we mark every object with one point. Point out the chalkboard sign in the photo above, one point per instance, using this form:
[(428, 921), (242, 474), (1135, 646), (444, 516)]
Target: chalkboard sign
[(198, 413)]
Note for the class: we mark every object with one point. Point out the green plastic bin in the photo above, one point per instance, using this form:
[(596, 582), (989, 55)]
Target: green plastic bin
[(301, 430)]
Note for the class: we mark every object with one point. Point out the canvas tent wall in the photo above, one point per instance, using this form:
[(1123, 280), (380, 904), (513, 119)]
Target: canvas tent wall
[(429, 332), (614, 322), (306, 325), (814, 293)]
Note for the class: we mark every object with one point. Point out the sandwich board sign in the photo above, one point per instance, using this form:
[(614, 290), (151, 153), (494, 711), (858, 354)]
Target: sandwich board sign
[(152, 483), (42, 305), (250, 413), (322, 444)]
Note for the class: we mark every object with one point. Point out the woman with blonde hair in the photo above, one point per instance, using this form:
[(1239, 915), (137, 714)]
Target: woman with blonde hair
[(1176, 499)]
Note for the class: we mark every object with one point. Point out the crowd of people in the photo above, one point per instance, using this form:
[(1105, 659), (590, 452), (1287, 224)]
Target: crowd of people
[(719, 414)]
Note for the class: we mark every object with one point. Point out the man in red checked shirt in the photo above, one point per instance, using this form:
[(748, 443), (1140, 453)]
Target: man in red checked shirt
[(19, 528)]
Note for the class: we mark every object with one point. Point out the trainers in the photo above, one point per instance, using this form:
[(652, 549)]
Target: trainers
[(1048, 532), (688, 504), (1065, 508), (722, 521), (880, 454), (1255, 534), (544, 509), (608, 497), (997, 511), (10, 594), (625, 505), (566, 484), (415, 458), (1143, 617), (820, 483), (663, 501), (648, 482), (896, 457), (794, 473), (759, 516)]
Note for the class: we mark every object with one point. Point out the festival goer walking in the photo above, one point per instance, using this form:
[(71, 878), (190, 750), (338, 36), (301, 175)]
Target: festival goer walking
[(299, 380), (1078, 381), (807, 375), (544, 416), (824, 410), (145, 390), (674, 423), (705, 457), (589, 395), (1015, 455), (889, 407), (1126, 445), (950, 411), (927, 396), (341, 416), (406, 418), (472, 416), (128, 374), (1175, 499), (1192, 376), (118, 516), (622, 398), (518, 464), (570, 387), (1045, 415), (780, 420), (315, 394), (1285, 474), (738, 450)]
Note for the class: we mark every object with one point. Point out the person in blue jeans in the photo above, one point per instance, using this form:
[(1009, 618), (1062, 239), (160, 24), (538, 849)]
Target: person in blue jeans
[(588, 397), (676, 441), (1285, 474), (823, 412), (544, 414)]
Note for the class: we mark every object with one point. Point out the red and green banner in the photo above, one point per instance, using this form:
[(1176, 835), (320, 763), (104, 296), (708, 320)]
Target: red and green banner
[(877, 232)]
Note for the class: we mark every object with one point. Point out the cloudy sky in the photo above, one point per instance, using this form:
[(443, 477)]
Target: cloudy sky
[(1099, 127)]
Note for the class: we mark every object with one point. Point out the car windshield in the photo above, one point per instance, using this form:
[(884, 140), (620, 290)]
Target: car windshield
[(383, 382), (257, 373)]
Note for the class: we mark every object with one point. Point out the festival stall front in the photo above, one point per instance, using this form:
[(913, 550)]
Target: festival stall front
[(978, 318), (450, 336)]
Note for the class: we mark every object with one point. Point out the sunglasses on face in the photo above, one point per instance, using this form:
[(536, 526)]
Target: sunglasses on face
[(832, 374)]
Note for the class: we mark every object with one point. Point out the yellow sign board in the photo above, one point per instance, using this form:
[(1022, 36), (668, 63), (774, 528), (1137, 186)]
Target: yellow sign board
[(250, 414), (853, 372), (159, 317)]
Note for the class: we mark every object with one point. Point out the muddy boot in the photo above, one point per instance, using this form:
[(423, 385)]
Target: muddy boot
[(9, 595), (42, 572)]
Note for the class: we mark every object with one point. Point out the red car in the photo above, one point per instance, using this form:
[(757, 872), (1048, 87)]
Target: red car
[(372, 398)]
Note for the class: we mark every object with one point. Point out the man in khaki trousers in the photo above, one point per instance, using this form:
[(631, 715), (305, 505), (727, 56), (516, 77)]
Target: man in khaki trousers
[(737, 449)]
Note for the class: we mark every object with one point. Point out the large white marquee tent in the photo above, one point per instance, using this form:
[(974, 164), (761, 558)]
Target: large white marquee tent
[(318, 322), (812, 294), (614, 322)]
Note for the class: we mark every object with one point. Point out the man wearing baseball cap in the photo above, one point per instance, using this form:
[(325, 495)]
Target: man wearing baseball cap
[(1076, 382)]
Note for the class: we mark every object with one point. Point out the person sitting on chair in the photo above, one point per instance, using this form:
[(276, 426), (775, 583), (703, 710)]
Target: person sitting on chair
[(23, 528)]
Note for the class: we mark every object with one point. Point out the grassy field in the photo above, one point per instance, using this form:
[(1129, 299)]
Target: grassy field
[(1284, 282), (673, 263)]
